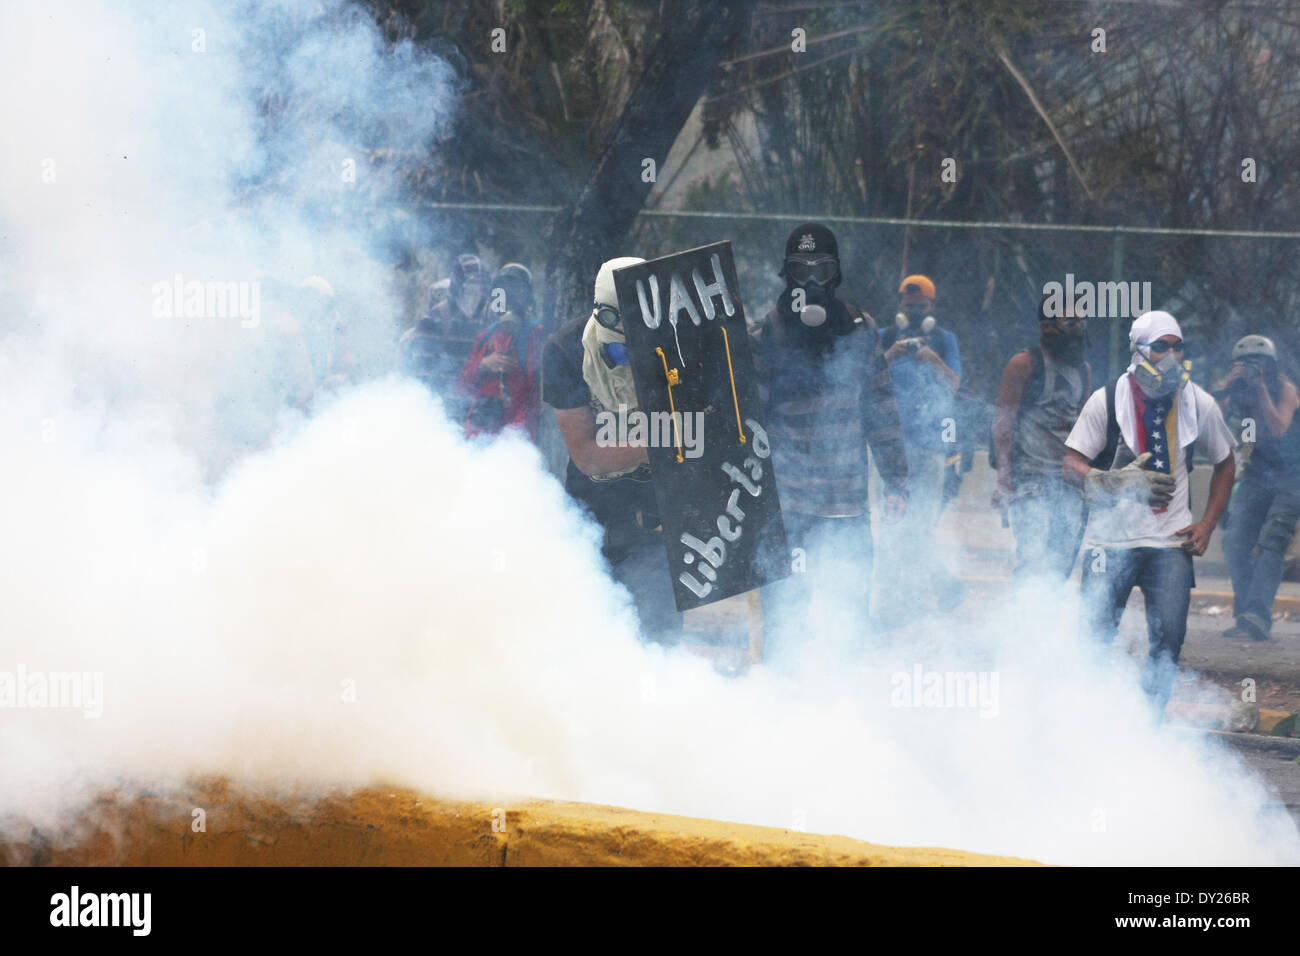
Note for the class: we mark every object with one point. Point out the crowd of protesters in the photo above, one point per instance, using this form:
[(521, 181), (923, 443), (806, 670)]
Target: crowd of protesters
[(1083, 467)]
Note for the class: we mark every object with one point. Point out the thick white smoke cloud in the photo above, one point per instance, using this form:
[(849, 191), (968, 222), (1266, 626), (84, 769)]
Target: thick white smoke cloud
[(451, 586)]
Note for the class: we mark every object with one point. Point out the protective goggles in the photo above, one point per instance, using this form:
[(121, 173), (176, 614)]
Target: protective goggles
[(1160, 348), (821, 270), (614, 354), (608, 317)]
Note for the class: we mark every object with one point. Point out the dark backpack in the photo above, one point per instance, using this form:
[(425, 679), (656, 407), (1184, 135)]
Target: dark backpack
[(1107, 454)]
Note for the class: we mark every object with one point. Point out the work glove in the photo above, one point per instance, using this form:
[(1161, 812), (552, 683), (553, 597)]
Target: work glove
[(1101, 489)]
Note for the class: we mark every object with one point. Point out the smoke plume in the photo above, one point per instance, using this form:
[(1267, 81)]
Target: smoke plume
[(359, 596)]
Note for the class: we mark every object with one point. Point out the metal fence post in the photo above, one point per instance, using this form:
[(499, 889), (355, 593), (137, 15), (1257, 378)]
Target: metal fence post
[(1117, 275)]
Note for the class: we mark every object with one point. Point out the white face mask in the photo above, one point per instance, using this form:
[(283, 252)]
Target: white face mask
[(471, 294), (611, 387)]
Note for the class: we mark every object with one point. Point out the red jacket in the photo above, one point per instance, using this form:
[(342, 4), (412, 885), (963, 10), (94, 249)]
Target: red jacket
[(520, 390)]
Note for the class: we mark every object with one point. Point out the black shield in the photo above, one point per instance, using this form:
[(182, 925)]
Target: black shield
[(712, 464)]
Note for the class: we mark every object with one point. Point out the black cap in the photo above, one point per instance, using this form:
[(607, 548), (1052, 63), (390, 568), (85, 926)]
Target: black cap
[(812, 239)]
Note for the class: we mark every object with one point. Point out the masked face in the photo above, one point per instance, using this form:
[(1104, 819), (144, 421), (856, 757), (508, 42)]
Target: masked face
[(915, 313), (815, 293), (813, 316), (1161, 374), (1067, 342), (606, 366), (471, 294)]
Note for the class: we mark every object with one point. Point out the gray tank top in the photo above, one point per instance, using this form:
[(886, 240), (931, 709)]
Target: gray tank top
[(1038, 439)]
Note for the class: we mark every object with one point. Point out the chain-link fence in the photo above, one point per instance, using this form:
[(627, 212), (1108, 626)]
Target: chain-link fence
[(990, 277)]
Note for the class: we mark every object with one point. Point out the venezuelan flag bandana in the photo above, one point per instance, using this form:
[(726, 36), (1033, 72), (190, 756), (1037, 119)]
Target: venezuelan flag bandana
[(1157, 431)]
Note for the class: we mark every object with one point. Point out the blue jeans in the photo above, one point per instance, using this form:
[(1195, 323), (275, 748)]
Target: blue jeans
[(1165, 577), (1263, 516), (1047, 518), (835, 560)]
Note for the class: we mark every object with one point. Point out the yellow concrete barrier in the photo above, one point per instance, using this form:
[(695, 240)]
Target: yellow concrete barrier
[(380, 827)]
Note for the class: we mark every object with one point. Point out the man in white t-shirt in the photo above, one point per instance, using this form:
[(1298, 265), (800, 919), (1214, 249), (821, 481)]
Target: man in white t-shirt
[(1140, 527)]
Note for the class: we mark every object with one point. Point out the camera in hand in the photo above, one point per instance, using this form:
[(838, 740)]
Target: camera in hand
[(914, 343), (1243, 389), (488, 413)]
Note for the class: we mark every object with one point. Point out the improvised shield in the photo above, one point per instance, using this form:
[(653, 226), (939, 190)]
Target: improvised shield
[(700, 409)]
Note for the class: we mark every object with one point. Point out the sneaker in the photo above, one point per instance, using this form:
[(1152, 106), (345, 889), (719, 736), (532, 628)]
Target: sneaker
[(1237, 633), (1248, 623)]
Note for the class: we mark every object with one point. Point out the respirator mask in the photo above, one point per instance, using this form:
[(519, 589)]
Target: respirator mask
[(915, 314), (816, 276), (1161, 373)]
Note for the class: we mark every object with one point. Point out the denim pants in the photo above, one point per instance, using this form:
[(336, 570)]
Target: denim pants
[(834, 559), (1165, 577), (1263, 516), (1047, 517)]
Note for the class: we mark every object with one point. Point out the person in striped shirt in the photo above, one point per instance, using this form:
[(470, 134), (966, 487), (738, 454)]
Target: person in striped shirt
[(828, 396)]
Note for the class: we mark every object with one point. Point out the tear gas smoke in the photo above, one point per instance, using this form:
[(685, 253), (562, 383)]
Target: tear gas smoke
[(372, 600)]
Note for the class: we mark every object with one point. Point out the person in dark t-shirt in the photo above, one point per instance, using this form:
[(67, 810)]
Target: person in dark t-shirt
[(612, 481)]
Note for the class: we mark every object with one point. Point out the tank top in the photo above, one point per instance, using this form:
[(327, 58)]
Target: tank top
[(1276, 460), (1038, 438)]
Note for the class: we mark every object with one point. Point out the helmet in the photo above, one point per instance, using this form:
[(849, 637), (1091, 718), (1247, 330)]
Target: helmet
[(1249, 345), (514, 270), (517, 283)]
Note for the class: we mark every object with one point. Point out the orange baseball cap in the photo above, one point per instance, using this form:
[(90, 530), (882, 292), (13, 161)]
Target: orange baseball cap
[(922, 285)]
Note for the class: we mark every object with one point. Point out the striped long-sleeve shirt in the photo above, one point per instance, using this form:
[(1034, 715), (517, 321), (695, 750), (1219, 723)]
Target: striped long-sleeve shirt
[(822, 412)]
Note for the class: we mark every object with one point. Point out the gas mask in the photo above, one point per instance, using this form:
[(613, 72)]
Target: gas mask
[(813, 316), (1161, 378), (817, 277), (914, 313)]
